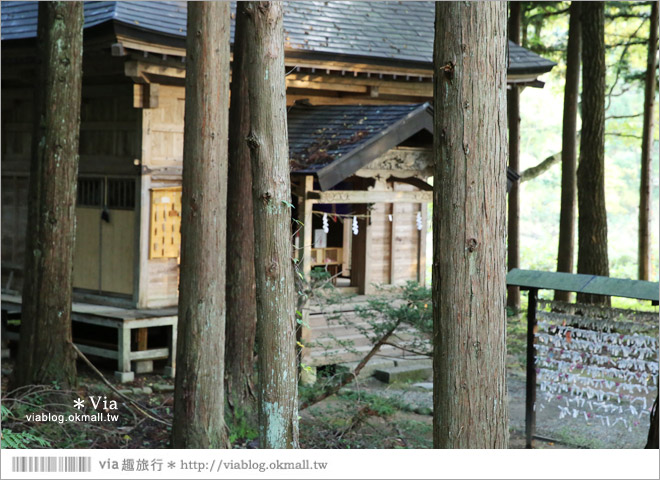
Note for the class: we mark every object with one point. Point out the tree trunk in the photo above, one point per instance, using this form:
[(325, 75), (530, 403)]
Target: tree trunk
[(271, 189), (592, 217), (513, 113), (644, 260), (569, 149), (241, 291), (45, 353), (469, 215), (199, 387)]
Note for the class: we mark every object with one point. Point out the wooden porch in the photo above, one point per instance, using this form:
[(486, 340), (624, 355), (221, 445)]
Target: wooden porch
[(127, 337)]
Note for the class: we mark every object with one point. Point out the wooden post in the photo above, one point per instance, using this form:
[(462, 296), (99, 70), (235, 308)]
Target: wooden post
[(393, 265), (421, 253), (124, 374), (530, 387), (307, 229)]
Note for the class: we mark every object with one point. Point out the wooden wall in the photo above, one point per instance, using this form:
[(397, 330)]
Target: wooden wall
[(162, 158), (109, 145)]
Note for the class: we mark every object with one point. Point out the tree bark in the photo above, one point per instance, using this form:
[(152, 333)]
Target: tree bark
[(644, 259), (513, 113), (199, 387), (592, 217), (271, 189), (241, 290), (469, 266), (45, 354), (566, 245)]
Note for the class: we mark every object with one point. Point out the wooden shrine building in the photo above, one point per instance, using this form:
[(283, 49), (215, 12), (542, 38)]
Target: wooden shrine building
[(359, 75)]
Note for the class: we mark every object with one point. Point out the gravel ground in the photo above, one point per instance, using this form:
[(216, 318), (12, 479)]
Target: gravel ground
[(567, 432)]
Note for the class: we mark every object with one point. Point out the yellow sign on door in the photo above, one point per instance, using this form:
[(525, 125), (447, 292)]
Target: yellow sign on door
[(165, 238)]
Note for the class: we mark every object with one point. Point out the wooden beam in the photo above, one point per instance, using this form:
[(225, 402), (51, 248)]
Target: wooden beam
[(369, 196), (414, 181), (375, 85), (318, 99)]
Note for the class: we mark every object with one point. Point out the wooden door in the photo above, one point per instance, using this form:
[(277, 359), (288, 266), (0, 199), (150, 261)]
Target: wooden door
[(105, 241)]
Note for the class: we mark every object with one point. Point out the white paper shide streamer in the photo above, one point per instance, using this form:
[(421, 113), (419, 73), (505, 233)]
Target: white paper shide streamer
[(355, 225), (326, 226), (598, 368)]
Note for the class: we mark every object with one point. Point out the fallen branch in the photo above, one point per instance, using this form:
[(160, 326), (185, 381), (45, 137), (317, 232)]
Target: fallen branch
[(112, 387), (349, 378)]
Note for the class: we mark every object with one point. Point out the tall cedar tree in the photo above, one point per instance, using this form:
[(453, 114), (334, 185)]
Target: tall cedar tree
[(644, 259), (513, 113), (45, 353), (199, 387), (241, 290), (566, 247), (592, 216), (469, 218), (271, 189)]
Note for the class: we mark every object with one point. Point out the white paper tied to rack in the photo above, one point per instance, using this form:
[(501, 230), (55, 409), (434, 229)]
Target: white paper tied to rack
[(419, 221), (598, 369), (326, 226), (355, 225)]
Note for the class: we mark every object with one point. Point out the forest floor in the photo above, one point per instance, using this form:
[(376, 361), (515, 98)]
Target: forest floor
[(366, 414)]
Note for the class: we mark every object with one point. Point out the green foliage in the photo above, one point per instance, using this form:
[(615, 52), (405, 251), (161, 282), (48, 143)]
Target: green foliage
[(18, 439), (378, 404), (241, 426)]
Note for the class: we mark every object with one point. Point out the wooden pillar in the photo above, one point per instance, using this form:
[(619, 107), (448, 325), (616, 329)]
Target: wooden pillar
[(421, 252), (530, 387), (307, 231), (305, 255), (393, 265)]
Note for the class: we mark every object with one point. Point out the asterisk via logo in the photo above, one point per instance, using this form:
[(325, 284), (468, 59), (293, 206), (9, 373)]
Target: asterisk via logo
[(79, 403)]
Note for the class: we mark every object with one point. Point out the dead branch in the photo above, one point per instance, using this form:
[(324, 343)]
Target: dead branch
[(132, 402)]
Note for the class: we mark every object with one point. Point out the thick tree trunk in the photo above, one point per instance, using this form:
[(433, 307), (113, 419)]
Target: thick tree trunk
[(644, 259), (45, 353), (592, 218), (566, 246), (271, 187), (241, 290), (513, 113), (199, 388), (469, 267)]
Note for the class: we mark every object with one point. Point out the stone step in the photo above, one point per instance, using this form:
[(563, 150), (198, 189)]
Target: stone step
[(404, 373)]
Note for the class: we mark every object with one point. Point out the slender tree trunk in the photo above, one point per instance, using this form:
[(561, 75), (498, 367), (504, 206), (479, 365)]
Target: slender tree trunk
[(644, 259), (271, 188), (469, 215), (569, 149), (199, 388), (45, 353), (513, 113), (241, 290), (592, 218)]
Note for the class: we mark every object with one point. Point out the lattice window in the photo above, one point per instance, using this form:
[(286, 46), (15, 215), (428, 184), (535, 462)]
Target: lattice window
[(165, 228), (90, 192), (121, 193)]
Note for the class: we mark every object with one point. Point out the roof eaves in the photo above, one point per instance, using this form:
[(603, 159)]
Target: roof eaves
[(413, 122)]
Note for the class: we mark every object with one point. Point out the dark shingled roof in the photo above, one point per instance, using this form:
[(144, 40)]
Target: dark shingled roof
[(400, 31), (319, 135)]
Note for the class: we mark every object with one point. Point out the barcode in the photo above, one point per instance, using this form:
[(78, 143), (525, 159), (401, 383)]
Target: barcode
[(51, 464)]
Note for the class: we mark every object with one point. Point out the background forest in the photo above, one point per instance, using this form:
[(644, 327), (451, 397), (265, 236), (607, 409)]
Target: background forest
[(541, 121)]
